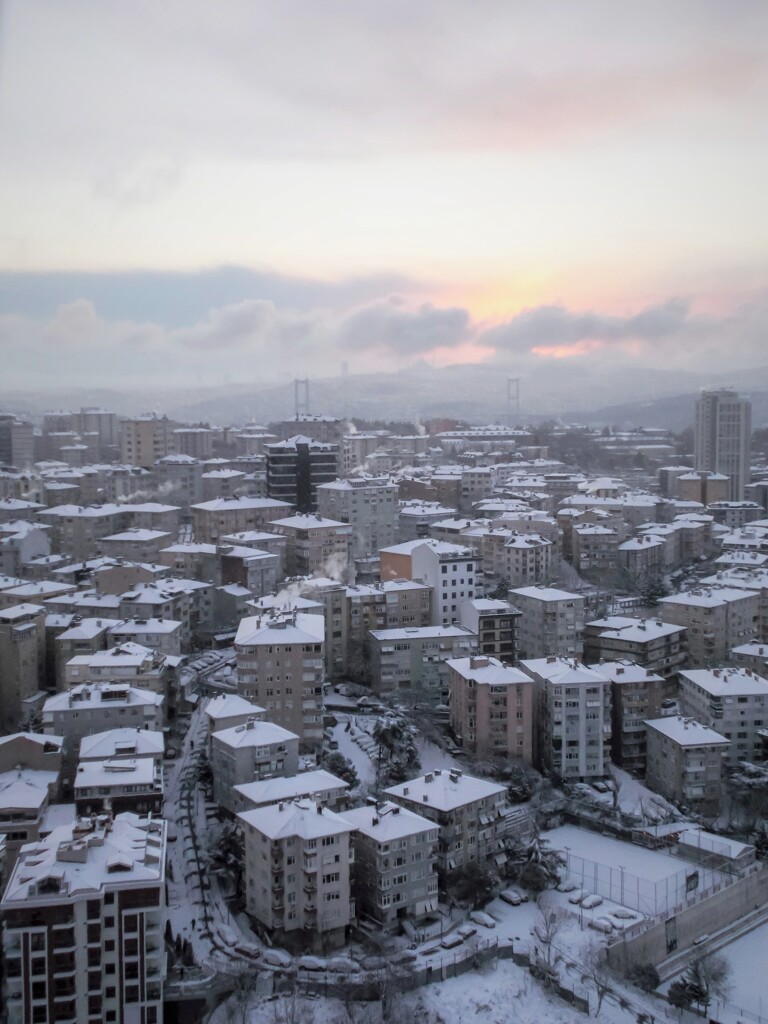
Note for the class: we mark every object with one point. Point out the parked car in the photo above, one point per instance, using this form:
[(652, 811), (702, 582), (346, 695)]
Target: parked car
[(312, 963), (277, 958), (466, 931), (451, 940), (576, 896), (568, 886), (625, 915), (590, 902), (601, 924), (480, 917), (600, 787), (511, 896)]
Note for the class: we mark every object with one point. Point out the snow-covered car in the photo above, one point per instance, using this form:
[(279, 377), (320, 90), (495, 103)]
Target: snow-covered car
[(520, 892), (480, 917), (511, 896), (601, 924), (625, 915), (590, 902), (451, 940), (312, 963), (576, 896), (568, 886), (343, 965), (466, 931), (600, 787), (277, 958)]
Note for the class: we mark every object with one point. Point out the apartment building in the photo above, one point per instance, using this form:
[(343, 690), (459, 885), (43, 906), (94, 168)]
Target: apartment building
[(146, 439), (161, 635), (453, 572), (83, 638), (318, 785), (415, 658), (416, 517), (22, 664), (121, 784), (722, 437), (280, 667), (96, 707), (136, 544), (368, 504), (180, 476), (76, 530), (733, 701), (643, 557), (296, 468), (84, 917), (594, 549), (654, 644), (685, 762), (297, 874), (753, 656), (249, 752), (123, 743), (575, 718), (496, 624), (315, 546), (493, 708), (212, 520), (520, 559), (25, 794), (128, 662), (467, 811), (716, 619), (394, 876), (551, 624), (637, 694)]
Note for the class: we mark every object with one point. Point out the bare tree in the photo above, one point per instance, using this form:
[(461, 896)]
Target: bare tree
[(595, 971), (548, 925), (291, 1008), (244, 985), (707, 978)]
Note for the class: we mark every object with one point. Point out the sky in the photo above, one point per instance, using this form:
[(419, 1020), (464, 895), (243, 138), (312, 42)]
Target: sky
[(253, 190)]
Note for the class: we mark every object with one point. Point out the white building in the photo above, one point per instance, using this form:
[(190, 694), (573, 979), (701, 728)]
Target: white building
[(733, 701), (468, 811), (280, 666), (297, 873), (394, 874), (722, 437), (249, 752), (368, 504), (551, 624), (575, 717)]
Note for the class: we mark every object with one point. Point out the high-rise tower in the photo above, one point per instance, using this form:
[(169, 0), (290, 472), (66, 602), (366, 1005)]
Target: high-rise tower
[(722, 437)]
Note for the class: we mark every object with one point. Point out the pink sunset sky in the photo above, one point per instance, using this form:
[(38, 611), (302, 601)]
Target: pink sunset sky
[(192, 186)]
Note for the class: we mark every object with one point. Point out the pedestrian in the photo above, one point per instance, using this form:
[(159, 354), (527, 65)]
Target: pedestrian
[(181, 973), (193, 924), (192, 744)]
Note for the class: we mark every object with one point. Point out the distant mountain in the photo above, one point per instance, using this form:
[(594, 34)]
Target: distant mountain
[(562, 390)]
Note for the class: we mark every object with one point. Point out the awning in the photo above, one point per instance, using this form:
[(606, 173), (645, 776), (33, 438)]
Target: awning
[(451, 863), (484, 819), (500, 858), (425, 907)]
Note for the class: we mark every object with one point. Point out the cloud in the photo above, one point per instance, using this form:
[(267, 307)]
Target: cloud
[(180, 298), (390, 326), (255, 339), (558, 326)]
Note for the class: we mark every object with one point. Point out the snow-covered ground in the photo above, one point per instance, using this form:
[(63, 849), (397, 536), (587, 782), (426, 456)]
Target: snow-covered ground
[(646, 880)]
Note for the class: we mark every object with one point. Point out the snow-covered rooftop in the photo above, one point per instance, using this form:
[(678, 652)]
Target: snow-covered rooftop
[(446, 790)]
